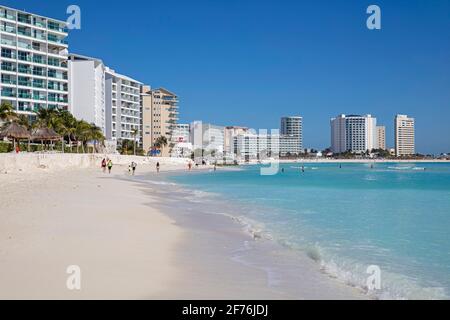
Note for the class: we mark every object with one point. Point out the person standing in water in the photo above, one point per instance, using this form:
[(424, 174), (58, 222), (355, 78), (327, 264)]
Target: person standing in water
[(110, 165), (158, 167)]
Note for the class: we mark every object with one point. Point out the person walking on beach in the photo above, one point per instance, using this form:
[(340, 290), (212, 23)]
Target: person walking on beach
[(190, 166), (110, 165), (133, 167), (158, 167), (104, 165)]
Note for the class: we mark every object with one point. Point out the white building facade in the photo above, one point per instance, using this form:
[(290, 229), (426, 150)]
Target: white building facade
[(34, 61), (354, 133), (182, 146), (405, 144), (252, 146), (208, 137), (230, 133), (122, 107), (87, 90), (291, 132)]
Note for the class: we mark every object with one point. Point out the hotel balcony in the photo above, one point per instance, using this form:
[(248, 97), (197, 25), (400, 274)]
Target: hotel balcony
[(8, 14)]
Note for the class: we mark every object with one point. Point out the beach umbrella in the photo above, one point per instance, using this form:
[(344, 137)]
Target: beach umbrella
[(15, 132), (45, 134)]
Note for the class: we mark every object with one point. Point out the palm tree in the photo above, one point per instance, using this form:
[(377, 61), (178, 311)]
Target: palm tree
[(161, 143), (82, 133), (7, 111), (47, 118), (67, 126), (25, 122), (96, 134), (134, 133), (125, 146)]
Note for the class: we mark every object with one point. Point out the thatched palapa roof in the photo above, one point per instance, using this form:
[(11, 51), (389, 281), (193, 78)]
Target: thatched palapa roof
[(45, 134), (14, 131)]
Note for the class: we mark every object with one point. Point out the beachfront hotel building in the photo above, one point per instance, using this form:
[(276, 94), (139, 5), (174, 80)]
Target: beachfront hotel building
[(381, 138), (182, 147), (251, 146), (404, 136), (159, 117), (208, 138), (122, 107), (101, 96), (291, 132), (230, 133), (353, 133), (87, 90), (34, 61)]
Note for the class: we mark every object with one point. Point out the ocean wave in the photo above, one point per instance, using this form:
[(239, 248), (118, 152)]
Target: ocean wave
[(349, 271), (161, 183), (352, 272)]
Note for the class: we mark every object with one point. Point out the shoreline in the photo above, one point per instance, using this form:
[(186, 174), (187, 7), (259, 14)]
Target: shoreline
[(129, 246), (324, 161), (242, 256), (200, 244), (397, 284)]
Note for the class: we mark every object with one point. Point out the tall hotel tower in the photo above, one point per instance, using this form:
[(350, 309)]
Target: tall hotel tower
[(34, 68), (292, 129), (123, 107), (354, 133), (404, 136), (159, 117), (87, 90)]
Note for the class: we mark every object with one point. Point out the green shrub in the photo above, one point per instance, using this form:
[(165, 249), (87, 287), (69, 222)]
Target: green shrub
[(5, 147)]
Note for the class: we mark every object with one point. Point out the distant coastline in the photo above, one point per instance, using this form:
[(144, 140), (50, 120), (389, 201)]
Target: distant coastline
[(363, 161)]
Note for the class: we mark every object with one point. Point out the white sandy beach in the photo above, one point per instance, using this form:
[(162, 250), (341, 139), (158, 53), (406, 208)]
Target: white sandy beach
[(57, 215)]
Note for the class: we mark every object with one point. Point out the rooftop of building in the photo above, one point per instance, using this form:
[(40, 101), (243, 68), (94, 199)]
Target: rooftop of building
[(121, 76), (33, 14)]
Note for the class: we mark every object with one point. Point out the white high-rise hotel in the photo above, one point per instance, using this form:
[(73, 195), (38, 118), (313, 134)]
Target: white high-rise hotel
[(357, 134), (404, 136), (291, 139), (34, 69), (105, 98)]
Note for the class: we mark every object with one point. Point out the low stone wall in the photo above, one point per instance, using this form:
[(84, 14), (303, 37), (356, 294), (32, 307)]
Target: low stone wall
[(33, 161)]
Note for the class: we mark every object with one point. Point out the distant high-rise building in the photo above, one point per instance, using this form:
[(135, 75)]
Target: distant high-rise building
[(87, 90), (354, 133), (292, 128), (381, 137), (34, 52), (159, 117), (404, 136)]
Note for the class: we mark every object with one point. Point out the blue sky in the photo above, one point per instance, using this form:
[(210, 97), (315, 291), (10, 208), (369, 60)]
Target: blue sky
[(245, 62)]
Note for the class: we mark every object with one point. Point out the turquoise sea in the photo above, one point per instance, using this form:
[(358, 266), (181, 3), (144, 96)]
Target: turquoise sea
[(395, 216)]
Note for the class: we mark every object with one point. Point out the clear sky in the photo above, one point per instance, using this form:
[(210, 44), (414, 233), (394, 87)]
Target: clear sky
[(246, 62)]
